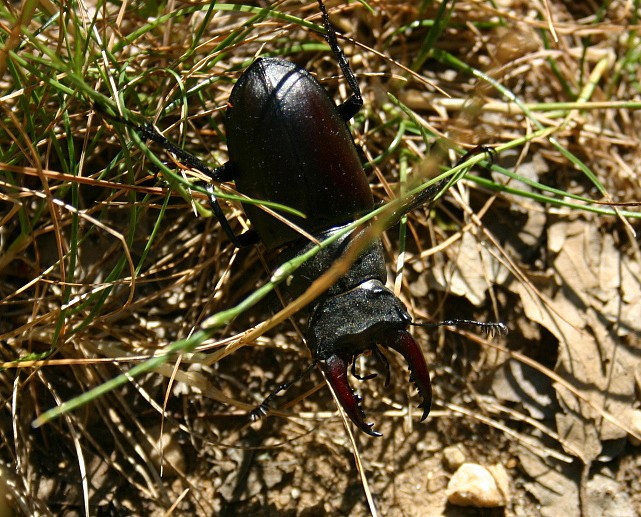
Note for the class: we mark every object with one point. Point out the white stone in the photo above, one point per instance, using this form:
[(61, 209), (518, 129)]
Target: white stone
[(475, 485)]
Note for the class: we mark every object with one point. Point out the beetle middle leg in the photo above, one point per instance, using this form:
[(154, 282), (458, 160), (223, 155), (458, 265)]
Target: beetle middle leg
[(220, 174), (242, 240)]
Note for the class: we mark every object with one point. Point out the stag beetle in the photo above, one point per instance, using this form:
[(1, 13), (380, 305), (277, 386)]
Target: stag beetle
[(289, 142)]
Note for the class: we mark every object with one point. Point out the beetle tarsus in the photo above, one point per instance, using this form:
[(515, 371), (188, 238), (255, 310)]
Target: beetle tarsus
[(259, 411), (403, 342), (335, 369), (262, 409)]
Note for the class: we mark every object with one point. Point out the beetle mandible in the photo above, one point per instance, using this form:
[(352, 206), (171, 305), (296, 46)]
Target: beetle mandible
[(288, 142)]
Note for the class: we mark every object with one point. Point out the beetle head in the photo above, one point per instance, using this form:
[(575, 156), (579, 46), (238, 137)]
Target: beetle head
[(344, 325)]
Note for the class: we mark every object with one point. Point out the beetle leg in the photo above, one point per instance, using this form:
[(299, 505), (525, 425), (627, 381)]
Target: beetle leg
[(353, 105), (403, 342), (335, 369), (383, 359), (361, 377), (249, 238)]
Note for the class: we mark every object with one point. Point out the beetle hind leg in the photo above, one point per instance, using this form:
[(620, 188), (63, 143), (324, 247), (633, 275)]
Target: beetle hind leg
[(353, 105), (335, 370), (403, 342)]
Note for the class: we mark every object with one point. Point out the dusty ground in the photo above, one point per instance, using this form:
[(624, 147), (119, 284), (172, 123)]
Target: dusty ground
[(555, 402)]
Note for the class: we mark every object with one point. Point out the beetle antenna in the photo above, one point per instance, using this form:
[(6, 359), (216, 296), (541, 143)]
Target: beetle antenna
[(263, 408), (491, 329)]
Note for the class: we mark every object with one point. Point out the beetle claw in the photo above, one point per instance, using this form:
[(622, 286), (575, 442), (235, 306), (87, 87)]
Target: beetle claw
[(335, 369), (403, 342)]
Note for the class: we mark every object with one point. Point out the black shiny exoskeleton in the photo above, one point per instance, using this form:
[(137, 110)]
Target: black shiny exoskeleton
[(289, 143)]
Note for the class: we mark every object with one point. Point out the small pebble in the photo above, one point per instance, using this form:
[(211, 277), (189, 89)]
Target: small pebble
[(453, 457), (478, 486)]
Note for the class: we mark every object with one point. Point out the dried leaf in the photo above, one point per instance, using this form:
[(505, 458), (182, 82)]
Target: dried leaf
[(591, 274), (554, 488), (607, 498), (578, 436), (472, 272), (520, 383)]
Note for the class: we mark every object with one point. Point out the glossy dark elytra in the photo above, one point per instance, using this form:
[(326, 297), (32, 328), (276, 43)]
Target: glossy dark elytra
[(288, 143)]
